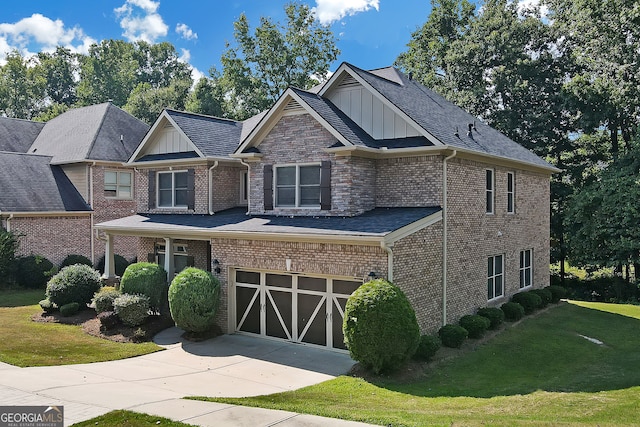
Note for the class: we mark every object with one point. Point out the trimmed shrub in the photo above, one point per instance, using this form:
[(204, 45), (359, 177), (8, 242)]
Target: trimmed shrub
[(69, 309), (194, 297), (494, 314), (380, 326), (452, 335), (475, 324), (557, 293), (103, 299), (8, 262), (530, 301), (47, 306), (75, 259), (545, 296), (133, 310), (108, 319), (75, 283), (120, 262), (147, 279), (34, 271), (427, 348), (512, 311)]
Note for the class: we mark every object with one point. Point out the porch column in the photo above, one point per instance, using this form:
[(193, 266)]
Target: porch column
[(109, 263), (168, 258)]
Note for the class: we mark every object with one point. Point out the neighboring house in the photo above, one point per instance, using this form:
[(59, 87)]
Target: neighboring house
[(59, 178), (369, 175)]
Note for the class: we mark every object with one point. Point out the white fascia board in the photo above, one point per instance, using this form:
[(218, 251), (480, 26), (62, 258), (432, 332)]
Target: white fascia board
[(24, 214), (412, 228)]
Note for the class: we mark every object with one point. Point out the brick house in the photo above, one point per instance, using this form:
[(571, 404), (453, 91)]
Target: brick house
[(369, 175), (61, 177)]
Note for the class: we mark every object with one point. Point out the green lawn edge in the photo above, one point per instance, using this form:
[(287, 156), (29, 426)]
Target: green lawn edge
[(123, 418)]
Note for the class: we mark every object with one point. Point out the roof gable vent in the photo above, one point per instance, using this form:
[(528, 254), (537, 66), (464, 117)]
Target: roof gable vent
[(293, 106), (348, 81)]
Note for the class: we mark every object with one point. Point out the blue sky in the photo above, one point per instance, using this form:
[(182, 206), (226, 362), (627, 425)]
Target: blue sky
[(371, 33)]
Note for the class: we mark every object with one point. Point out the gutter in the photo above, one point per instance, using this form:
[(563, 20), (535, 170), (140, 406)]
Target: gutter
[(444, 236), (389, 250), (91, 232), (215, 165), (9, 222), (243, 163)]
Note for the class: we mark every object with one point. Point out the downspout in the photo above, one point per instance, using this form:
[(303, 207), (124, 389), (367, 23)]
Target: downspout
[(92, 231), (215, 165), (389, 250), (242, 162), (444, 236), (9, 222)]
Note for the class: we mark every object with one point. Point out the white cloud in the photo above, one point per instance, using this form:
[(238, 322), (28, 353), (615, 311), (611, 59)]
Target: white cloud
[(186, 32), (329, 11), (530, 5), (140, 20), (195, 73)]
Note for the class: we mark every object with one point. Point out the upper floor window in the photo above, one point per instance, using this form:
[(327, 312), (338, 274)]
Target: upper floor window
[(511, 193), (172, 189), (117, 184), (244, 187), (490, 190), (495, 277), (297, 186), (526, 269)]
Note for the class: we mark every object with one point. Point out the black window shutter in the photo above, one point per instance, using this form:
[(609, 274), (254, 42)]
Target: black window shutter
[(268, 187), (191, 189), (325, 185), (152, 190)]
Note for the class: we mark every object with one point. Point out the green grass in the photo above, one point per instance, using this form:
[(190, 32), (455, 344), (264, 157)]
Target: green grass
[(129, 419), (538, 372), (24, 342)]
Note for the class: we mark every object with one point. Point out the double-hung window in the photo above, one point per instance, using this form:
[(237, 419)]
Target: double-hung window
[(490, 191), (297, 186), (173, 189), (117, 184), (526, 268), (511, 193), (495, 277)]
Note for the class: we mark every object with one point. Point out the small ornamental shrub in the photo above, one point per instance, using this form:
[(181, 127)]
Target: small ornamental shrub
[(380, 326), (452, 335), (474, 324), (120, 264), (512, 311), (147, 279), (494, 314), (545, 296), (427, 348), (103, 299), (69, 309), (557, 293), (34, 271), (75, 283), (75, 259), (194, 297), (47, 306), (530, 301), (133, 310), (108, 320)]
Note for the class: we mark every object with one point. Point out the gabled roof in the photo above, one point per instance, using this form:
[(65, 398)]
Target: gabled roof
[(31, 184), (17, 135), (97, 132)]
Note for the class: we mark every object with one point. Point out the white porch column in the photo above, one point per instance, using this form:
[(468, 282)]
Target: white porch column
[(168, 258), (109, 262)]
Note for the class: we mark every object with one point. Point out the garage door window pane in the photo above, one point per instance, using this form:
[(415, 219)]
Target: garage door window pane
[(345, 287), (279, 280), (249, 277), (312, 284)]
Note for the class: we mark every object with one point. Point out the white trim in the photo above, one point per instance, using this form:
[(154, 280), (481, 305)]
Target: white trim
[(118, 185), (297, 185), (412, 228), (173, 189), (522, 269), (490, 191), (25, 214), (494, 276), (511, 194), (244, 188)]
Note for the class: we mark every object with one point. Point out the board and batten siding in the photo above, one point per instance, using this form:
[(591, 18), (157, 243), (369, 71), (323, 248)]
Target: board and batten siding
[(169, 140), (369, 112), (78, 174)]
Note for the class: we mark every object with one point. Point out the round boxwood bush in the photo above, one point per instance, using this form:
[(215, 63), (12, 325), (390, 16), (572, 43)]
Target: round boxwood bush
[(75, 283), (380, 326), (103, 299), (120, 264), (47, 306), (34, 271), (530, 301), (69, 309), (427, 347), (557, 293), (545, 296), (194, 297), (133, 310), (512, 311), (494, 314), (452, 335), (475, 324), (147, 279), (75, 259)]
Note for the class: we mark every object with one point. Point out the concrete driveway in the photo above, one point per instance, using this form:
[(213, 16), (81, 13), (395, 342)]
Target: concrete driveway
[(229, 366)]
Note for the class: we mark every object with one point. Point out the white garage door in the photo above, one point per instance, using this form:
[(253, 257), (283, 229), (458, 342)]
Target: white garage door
[(292, 307)]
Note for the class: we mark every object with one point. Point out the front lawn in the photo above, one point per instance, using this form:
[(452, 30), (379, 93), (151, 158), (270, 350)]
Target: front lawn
[(541, 371), (129, 419), (27, 343)]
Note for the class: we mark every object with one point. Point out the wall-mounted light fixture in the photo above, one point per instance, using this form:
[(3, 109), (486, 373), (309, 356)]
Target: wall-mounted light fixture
[(372, 275)]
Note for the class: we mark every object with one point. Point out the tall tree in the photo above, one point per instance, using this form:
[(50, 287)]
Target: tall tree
[(205, 98), (59, 71), (147, 102), (21, 92), (159, 64)]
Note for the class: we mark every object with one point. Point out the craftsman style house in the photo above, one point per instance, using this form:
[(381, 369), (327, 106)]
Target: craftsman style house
[(57, 179), (369, 175)]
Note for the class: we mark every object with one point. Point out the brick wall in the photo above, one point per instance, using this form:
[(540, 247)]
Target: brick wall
[(409, 181), (226, 184)]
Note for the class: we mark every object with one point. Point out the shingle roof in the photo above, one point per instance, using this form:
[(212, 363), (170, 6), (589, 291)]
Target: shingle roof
[(31, 184), (17, 135), (90, 133), (375, 223), (214, 137)]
